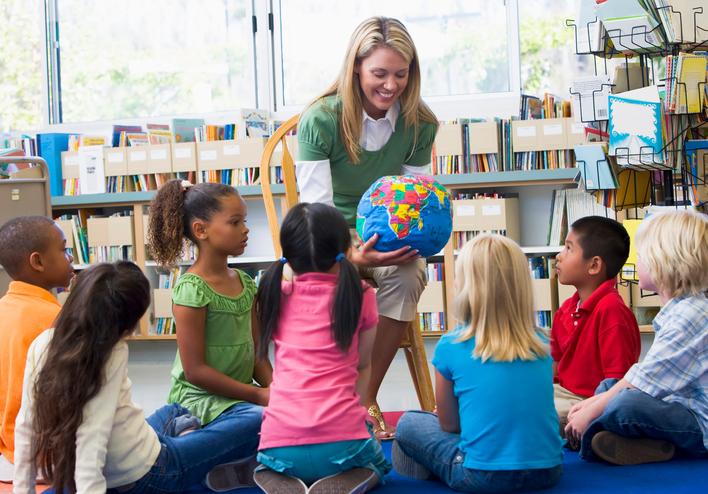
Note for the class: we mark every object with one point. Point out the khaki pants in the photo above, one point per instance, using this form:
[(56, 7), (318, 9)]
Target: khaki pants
[(7, 470), (564, 400)]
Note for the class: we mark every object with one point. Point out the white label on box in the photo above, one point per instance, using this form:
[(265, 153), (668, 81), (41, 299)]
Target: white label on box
[(138, 156), (209, 155), (526, 131), (232, 150), (464, 210), (72, 160), (493, 210), (158, 154), (553, 129), (115, 157), (577, 128), (183, 153)]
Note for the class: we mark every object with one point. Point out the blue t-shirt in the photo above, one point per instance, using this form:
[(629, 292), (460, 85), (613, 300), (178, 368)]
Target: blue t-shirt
[(507, 417)]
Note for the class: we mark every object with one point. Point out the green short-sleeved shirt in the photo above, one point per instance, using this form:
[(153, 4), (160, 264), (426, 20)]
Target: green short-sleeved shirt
[(319, 139), (229, 343)]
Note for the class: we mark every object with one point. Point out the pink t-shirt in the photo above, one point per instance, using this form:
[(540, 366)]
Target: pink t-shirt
[(313, 396)]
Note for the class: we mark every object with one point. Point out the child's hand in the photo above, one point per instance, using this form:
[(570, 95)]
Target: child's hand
[(583, 414), (262, 396)]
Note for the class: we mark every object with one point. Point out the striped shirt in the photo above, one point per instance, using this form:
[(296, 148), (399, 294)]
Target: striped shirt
[(676, 367)]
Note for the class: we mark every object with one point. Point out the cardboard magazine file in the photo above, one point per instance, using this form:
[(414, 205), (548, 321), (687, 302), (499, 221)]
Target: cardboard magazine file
[(524, 135), (487, 215), (208, 156), (120, 230), (564, 293), (137, 160), (162, 302), (644, 298), (542, 293), (448, 141), (552, 134), (243, 153), (115, 162), (575, 132), (184, 157), (67, 227), (159, 158), (483, 137), (431, 300), (69, 165), (276, 158), (97, 231)]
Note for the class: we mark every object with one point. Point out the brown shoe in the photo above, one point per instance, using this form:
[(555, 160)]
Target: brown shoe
[(354, 481), (272, 482), (620, 450)]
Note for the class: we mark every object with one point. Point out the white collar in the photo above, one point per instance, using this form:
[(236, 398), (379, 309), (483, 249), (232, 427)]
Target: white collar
[(391, 115)]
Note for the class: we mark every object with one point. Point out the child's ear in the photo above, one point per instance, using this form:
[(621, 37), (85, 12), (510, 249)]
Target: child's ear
[(596, 266), (199, 229), (36, 262)]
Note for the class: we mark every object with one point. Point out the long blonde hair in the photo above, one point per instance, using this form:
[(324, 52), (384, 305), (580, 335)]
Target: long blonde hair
[(373, 33), (494, 300), (673, 246)]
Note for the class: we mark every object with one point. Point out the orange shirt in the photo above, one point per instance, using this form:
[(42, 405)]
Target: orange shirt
[(25, 311)]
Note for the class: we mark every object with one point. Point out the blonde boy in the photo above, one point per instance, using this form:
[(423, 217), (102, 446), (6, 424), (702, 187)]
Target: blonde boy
[(661, 404)]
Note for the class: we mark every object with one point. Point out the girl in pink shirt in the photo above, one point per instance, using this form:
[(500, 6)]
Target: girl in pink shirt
[(314, 429)]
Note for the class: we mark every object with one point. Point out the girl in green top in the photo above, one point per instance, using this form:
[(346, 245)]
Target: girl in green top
[(370, 123), (214, 370)]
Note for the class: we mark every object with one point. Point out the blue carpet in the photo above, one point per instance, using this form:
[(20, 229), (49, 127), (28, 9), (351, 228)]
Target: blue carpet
[(677, 477)]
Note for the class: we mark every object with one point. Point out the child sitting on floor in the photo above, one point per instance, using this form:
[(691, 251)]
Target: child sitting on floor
[(496, 428), (661, 405)]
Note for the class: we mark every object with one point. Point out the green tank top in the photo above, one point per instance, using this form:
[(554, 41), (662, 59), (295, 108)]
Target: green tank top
[(229, 343)]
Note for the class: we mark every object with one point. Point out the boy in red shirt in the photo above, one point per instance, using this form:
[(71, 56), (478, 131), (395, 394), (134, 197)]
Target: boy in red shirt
[(594, 335), (33, 252)]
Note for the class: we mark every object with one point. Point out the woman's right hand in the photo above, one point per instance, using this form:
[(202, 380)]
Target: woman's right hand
[(368, 256)]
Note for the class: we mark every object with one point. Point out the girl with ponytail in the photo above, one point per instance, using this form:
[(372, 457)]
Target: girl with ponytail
[(314, 429), (78, 424)]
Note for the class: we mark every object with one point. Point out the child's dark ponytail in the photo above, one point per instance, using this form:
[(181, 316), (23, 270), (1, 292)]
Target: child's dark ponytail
[(268, 306), (172, 211), (314, 237)]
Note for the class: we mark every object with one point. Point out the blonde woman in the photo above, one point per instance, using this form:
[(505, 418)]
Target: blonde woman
[(370, 123), (660, 407), (496, 427)]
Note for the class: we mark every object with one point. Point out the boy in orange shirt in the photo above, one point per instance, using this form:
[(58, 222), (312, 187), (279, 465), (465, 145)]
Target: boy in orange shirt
[(33, 252)]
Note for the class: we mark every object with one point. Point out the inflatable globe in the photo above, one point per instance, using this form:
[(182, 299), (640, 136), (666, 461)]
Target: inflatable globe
[(406, 210)]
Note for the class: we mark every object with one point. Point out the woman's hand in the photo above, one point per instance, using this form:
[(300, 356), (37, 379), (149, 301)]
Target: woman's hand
[(368, 256)]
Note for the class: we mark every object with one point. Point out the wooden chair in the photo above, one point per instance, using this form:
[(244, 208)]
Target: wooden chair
[(412, 343)]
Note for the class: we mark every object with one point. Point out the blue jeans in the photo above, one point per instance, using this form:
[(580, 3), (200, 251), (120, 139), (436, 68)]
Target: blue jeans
[(420, 436), (633, 413), (311, 462), (185, 460)]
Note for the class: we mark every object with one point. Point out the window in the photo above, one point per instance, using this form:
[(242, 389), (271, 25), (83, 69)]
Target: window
[(135, 58), (463, 44), (548, 59), (21, 65)]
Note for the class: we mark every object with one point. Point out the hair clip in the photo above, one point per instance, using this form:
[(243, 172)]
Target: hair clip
[(283, 260), (340, 257), (186, 184)]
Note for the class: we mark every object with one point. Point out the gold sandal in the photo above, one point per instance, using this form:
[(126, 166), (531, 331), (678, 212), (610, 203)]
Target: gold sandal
[(380, 431)]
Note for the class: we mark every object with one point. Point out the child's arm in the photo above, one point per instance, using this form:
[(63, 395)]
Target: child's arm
[(263, 370), (582, 414), (366, 346), (447, 405), (190, 343)]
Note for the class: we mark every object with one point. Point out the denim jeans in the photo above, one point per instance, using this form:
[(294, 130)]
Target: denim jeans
[(420, 436), (633, 413), (185, 460), (311, 462)]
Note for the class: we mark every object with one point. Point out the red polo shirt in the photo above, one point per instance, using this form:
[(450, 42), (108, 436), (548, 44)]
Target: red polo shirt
[(598, 340)]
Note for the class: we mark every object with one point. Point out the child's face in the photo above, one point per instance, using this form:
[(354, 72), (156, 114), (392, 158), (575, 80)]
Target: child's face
[(571, 267), (227, 230), (645, 280), (383, 76), (57, 262)]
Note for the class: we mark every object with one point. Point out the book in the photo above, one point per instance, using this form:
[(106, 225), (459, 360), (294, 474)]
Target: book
[(635, 128), (595, 169), (183, 128), (255, 122), (118, 129), (50, 147)]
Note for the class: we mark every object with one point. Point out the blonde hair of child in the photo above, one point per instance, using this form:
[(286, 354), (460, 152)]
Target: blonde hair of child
[(495, 300), (373, 33), (673, 248)]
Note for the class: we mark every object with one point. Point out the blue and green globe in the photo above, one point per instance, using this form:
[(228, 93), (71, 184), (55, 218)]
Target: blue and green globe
[(406, 210)]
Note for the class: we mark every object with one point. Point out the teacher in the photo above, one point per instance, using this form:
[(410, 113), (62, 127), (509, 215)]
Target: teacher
[(371, 123)]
